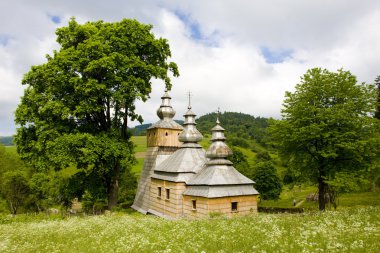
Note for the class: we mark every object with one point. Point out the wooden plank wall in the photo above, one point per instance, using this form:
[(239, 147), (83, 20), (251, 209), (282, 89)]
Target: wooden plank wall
[(161, 137), (170, 207), (205, 207)]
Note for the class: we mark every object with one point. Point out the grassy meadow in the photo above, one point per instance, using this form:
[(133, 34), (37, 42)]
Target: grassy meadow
[(347, 230)]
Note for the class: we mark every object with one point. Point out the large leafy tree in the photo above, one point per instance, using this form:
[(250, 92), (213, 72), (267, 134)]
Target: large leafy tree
[(76, 106), (328, 128)]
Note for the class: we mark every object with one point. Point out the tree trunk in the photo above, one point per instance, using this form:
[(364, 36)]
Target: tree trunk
[(322, 188), (113, 187), (13, 208)]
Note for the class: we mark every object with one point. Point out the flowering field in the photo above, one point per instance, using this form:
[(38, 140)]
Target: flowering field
[(348, 230)]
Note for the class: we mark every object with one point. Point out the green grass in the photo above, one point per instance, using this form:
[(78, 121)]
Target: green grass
[(288, 195), (137, 168), (299, 194), (140, 142), (140, 146), (359, 199), (11, 149), (349, 230)]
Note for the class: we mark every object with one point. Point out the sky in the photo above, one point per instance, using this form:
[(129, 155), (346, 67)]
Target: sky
[(238, 55)]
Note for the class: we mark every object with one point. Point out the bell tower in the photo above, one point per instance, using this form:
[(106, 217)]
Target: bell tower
[(164, 133), (162, 141)]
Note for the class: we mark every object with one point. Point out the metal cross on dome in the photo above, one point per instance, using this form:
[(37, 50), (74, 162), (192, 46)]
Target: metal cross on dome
[(189, 95), (217, 115)]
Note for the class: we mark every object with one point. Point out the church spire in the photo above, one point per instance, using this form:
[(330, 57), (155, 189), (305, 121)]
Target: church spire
[(218, 149), (166, 111), (190, 133)]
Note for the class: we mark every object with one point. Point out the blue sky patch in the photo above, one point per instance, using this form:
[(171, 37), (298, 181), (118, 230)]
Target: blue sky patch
[(4, 39), (55, 19), (193, 26), (195, 29), (275, 55)]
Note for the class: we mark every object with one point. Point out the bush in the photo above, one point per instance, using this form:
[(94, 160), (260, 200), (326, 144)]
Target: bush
[(267, 181)]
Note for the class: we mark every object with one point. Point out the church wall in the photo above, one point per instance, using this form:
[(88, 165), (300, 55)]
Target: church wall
[(169, 207), (246, 205), (204, 207), (161, 137), (201, 210)]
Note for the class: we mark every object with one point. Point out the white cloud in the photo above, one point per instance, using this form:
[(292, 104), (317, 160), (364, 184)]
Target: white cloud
[(226, 68)]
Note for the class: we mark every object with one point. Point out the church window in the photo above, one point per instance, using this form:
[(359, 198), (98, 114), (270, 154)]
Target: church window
[(234, 206), (159, 192), (194, 202), (167, 193), (166, 134)]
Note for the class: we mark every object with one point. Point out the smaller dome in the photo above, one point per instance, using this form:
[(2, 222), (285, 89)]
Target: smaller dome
[(218, 149), (166, 111), (190, 133)]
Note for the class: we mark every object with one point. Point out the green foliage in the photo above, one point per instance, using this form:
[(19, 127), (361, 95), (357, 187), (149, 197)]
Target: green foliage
[(15, 189), (128, 187), (241, 128), (348, 182), (76, 107), (240, 162), (263, 156), (238, 142), (40, 190), (268, 183), (377, 112), (14, 181), (327, 127)]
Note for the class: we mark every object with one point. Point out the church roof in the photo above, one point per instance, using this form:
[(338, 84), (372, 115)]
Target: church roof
[(219, 175), (166, 113), (170, 124), (184, 160)]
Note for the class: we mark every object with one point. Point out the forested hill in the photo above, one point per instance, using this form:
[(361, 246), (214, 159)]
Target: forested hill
[(238, 125), (6, 140)]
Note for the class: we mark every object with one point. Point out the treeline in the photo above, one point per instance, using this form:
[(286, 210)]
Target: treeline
[(140, 130), (25, 189), (6, 140), (242, 130)]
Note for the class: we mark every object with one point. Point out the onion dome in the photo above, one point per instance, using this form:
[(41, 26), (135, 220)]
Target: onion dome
[(166, 111), (190, 133), (218, 148)]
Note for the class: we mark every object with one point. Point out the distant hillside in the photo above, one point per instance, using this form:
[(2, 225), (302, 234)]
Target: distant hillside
[(6, 140), (141, 129), (238, 125)]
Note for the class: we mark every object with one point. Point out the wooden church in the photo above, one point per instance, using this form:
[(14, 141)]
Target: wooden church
[(180, 179)]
